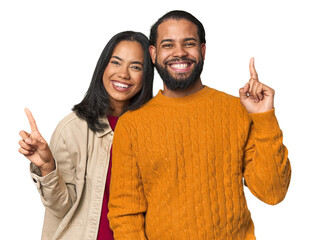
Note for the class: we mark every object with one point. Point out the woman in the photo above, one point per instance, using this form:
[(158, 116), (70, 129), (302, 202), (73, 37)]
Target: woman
[(73, 174)]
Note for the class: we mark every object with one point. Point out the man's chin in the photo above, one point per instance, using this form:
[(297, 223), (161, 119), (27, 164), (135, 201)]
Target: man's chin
[(179, 79), (178, 84)]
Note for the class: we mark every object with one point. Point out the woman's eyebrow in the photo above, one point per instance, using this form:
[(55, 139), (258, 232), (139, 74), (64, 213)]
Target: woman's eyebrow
[(136, 62), (118, 58), (133, 62)]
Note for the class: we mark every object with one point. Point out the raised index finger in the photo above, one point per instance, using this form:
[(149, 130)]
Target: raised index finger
[(31, 120), (253, 72)]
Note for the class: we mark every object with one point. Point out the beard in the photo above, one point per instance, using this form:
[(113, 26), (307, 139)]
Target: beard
[(181, 81)]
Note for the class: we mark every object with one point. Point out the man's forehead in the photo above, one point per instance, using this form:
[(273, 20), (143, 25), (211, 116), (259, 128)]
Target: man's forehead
[(177, 30)]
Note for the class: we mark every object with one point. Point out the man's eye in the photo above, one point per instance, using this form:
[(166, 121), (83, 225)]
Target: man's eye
[(190, 44), (168, 45)]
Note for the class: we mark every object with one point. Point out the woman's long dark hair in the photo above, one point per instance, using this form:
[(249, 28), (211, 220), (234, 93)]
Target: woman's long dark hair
[(96, 102)]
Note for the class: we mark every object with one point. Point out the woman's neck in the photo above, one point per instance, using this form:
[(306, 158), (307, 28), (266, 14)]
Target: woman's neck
[(117, 107)]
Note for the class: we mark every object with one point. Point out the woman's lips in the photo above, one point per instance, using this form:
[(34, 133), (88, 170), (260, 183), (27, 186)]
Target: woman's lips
[(119, 86)]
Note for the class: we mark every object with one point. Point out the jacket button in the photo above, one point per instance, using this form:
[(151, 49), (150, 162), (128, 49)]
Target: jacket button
[(34, 180)]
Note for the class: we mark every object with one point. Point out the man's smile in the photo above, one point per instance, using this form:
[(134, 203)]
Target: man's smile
[(180, 66)]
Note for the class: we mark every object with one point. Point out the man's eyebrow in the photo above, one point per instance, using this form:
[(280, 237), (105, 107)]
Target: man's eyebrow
[(190, 39), (166, 40), (185, 40)]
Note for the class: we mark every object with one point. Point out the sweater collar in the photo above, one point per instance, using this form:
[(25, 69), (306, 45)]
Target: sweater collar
[(181, 100)]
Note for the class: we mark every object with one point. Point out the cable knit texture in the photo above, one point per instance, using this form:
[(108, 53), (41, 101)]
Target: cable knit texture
[(179, 165)]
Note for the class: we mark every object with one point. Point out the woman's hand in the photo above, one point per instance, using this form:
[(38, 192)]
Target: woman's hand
[(35, 148)]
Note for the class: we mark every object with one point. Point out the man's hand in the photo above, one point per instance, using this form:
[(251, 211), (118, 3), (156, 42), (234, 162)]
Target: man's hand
[(255, 96), (35, 148)]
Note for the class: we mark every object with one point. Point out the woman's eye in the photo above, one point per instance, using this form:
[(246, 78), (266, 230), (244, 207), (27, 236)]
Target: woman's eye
[(114, 62), (137, 68)]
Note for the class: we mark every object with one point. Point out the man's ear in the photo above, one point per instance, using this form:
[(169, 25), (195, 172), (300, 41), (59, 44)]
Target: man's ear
[(203, 50), (152, 50)]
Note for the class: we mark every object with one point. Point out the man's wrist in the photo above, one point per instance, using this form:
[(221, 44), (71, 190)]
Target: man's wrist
[(265, 122)]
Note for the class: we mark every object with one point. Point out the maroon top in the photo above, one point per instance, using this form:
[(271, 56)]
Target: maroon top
[(104, 231)]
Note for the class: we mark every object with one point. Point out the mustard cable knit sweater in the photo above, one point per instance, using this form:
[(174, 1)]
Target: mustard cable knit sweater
[(179, 165)]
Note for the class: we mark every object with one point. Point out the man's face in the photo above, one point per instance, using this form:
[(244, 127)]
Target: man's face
[(178, 55)]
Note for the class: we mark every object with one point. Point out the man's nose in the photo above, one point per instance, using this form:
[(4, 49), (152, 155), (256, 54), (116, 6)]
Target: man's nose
[(179, 51)]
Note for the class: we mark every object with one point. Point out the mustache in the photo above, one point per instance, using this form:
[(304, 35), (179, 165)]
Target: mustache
[(179, 60)]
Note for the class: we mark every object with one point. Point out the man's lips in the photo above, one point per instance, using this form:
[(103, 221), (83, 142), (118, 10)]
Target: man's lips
[(178, 65)]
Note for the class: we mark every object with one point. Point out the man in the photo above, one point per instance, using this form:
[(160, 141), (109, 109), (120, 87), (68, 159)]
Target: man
[(179, 162)]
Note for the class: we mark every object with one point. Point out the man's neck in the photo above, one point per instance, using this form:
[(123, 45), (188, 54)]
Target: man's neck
[(183, 92)]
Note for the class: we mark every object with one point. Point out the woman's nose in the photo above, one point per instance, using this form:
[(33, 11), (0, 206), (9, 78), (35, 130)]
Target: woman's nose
[(123, 73)]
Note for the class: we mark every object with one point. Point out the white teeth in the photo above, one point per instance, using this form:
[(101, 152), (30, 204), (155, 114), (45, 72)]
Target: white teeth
[(180, 65), (122, 85)]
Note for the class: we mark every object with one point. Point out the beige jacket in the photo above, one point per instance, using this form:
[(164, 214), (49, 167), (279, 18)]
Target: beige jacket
[(73, 193)]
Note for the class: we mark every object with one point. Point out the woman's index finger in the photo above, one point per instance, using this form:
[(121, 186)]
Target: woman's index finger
[(31, 120)]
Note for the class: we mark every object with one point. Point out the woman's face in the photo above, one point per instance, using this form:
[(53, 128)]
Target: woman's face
[(122, 77)]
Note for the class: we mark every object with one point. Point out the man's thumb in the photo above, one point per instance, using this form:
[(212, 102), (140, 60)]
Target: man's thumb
[(243, 91)]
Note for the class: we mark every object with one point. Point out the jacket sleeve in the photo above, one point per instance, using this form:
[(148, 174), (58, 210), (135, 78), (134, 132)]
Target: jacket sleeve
[(127, 202), (57, 189), (266, 167)]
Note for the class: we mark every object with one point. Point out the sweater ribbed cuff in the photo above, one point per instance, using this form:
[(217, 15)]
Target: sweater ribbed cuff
[(265, 122)]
